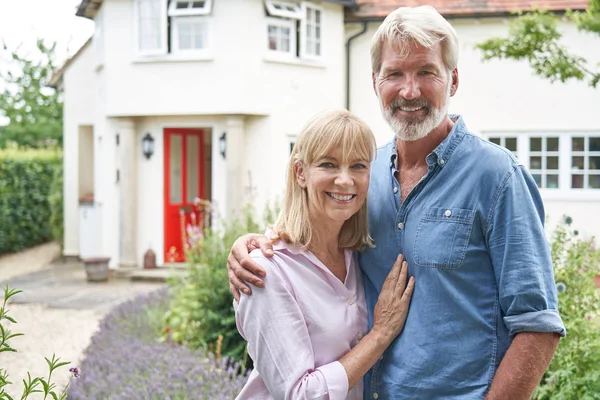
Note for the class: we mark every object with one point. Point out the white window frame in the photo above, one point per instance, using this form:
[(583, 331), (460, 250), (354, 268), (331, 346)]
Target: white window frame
[(175, 12), (175, 36), (304, 32), (585, 153), (565, 154), (284, 23), (544, 154), (162, 49), (278, 12)]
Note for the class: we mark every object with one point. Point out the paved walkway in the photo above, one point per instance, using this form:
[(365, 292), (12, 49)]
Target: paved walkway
[(58, 311)]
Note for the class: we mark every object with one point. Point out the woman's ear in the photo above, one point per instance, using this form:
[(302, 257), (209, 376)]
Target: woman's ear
[(300, 178)]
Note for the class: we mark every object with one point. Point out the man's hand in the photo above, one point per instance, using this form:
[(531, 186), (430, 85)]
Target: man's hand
[(240, 267)]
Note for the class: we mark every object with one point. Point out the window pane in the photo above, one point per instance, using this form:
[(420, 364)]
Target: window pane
[(594, 163), (538, 179), (595, 144), (535, 144), (552, 181), (192, 168), (552, 144), (535, 162), (495, 140), (577, 181), (511, 144), (175, 169), (577, 144), (594, 182), (577, 163), (552, 163)]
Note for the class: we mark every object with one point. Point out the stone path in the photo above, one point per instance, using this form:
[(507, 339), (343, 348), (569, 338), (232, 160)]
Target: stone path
[(58, 311)]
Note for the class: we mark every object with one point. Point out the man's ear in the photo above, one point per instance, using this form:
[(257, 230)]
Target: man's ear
[(454, 77), (300, 178), (374, 78)]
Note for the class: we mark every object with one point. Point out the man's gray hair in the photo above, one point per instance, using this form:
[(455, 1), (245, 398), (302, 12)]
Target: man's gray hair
[(422, 25)]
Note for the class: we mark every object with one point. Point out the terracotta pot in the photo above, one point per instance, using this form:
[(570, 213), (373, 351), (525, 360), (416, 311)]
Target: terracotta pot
[(96, 269), (597, 280)]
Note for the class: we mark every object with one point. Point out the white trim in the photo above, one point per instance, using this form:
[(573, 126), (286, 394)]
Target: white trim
[(178, 12), (304, 33), (98, 39), (284, 9), (162, 49), (204, 51), (293, 49)]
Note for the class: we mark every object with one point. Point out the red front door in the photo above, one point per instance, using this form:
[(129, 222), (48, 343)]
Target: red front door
[(184, 149)]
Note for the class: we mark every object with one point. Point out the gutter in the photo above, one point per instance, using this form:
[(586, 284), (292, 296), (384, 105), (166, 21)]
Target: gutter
[(348, 43)]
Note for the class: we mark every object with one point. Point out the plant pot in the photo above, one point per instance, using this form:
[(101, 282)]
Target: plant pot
[(96, 269)]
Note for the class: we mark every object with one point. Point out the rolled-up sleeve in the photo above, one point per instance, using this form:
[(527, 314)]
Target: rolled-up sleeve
[(279, 343), (521, 257)]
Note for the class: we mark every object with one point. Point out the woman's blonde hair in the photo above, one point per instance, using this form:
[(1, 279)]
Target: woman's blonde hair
[(422, 25), (326, 131)]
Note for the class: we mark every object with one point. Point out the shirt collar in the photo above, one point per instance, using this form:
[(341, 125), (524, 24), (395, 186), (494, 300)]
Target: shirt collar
[(442, 153)]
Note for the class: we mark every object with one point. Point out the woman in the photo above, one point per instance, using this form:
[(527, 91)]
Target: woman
[(307, 328)]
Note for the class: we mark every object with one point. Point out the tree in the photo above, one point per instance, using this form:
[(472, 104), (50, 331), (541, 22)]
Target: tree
[(534, 37), (34, 110)]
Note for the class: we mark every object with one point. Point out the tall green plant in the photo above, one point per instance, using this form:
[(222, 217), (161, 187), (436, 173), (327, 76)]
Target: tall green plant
[(574, 373), (201, 314)]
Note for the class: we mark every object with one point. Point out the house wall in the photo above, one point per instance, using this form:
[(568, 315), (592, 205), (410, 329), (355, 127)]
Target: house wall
[(237, 79), (79, 101), (503, 97)]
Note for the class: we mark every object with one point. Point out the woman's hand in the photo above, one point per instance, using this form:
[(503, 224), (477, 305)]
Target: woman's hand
[(392, 306)]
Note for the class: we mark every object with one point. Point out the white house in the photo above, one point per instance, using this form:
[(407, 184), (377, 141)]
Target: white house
[(173, 100)]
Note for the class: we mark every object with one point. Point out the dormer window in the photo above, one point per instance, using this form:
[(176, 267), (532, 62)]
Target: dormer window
[(189, 7), (292, 23)]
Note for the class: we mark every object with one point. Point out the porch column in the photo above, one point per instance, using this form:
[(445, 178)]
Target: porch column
[(127, 155), (234, 126)]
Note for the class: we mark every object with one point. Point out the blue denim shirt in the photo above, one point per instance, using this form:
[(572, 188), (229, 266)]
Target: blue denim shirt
[(472, 233)]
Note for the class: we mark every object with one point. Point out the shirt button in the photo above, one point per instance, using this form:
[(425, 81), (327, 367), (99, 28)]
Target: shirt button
[(442, 162), (401, 225), (350, 301), (359, 336), (395, 190), (448, 213), (375, 395)]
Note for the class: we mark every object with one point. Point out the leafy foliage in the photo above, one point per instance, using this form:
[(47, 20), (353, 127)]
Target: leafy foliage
[(201, 313), (55, 200), (535, 37), (25, 185), (127, 361), (573, 373), (35, 110)]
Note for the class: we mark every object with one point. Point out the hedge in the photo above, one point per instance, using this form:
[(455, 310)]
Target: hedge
[(26, 179)]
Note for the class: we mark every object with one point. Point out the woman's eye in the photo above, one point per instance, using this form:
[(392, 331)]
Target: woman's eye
[(326, 165), (359, 166)]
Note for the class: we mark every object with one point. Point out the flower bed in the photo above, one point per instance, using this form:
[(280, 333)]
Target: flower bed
[(125, 360)]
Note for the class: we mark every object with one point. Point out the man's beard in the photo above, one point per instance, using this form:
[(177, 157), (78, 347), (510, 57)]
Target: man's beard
[(415, 128)]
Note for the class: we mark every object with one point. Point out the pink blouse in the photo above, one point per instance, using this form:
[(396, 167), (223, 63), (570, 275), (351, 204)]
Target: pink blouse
[(299, 325)]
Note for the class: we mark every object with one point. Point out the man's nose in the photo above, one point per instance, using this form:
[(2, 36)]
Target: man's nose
[(410, 89)]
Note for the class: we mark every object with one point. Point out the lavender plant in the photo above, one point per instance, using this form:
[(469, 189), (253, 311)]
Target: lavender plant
[(126, 360), (31, 385)]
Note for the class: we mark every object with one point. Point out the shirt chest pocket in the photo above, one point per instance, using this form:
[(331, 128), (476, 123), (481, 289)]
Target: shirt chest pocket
[(442, 237)]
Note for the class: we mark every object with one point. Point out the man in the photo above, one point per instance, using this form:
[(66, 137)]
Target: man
[(468, 218)]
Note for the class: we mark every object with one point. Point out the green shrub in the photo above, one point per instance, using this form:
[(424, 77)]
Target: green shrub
[(574, 372), (55, 200), (25, 182), (201, 313)]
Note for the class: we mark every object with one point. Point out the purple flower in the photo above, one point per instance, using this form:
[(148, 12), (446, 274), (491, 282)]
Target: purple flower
[(75, 371)]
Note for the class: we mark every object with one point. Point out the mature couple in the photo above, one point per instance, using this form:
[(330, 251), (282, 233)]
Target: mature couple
[(458, 220)]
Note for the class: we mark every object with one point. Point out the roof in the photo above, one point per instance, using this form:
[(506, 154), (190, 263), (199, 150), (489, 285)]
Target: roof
[(379, 9), (58, 74)]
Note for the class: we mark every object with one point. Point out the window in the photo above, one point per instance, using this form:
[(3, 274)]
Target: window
[(506, 141), (585, 162), (290, 23), (559, 161), (173, 26)]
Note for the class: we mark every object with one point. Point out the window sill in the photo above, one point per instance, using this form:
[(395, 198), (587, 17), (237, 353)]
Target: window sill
[(173, 58), (583, 195), (270, 58)]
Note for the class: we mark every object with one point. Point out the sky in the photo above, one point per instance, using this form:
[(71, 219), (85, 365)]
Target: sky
[(24, 21)]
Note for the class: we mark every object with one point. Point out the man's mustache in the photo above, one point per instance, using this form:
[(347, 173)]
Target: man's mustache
[(414, 103)]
